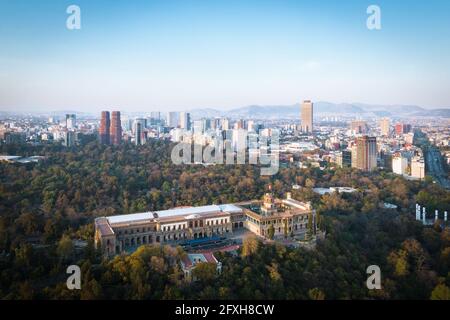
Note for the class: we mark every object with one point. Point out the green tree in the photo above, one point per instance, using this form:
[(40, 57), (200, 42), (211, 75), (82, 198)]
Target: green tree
[(250, 246), (65, 247), (441, 292), (204, 272), (316, 294), (271, 232)]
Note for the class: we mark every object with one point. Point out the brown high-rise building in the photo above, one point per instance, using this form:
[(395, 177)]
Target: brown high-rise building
[(307, 111), (116, 128), (364, 153), (401, 128), (359, 126), (385, 127), (105, 125)]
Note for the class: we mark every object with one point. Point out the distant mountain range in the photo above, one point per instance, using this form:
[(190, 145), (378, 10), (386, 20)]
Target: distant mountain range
[(323, 108), (286, 111)]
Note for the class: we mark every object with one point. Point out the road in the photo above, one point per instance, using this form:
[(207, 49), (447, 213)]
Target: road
[(436, 167), (434, 161)]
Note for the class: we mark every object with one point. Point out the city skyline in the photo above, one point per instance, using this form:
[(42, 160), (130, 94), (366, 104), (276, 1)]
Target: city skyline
[(186, 152), (94, 111), (173, 56)]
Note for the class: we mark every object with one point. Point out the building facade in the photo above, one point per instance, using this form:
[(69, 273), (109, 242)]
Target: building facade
[(116, 128), (69, 138), (192, 260), (185, 121), (116, 234), (139, 126), (344, 159), (385, 127), (418, 168), (364, 153), (359, 126), (172, 119), (286, 218), (400, 164), (71, 121), (307, 114), (105, 124), (401, 128)]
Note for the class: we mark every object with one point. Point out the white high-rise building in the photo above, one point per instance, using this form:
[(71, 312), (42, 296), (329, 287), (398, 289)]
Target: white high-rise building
[(71, 121), (225, 124), (400, 165), (172, 119), (418, 168), (239, 140), (199, 126), (409, 137), (185, 120), (127, 123), (251, 125)]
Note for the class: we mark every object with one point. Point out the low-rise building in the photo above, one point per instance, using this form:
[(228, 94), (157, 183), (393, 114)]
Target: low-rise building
[(191, 261)]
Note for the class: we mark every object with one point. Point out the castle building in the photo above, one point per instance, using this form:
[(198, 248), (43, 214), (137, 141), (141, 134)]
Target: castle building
[(122, 233), (287, 217)]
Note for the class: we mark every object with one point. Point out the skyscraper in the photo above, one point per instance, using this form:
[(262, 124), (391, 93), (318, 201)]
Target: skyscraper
[(359, 126), (344, 158), (364, 154), (127, 123), (138, 133), (116, 128), (198, 126), (307, 111), (172, 119), (407, 128), (385, 126), (251, 125), (105, 125), (185, 120), (239, 124), (138, 130), (215, 124), (400, 164), (224, 124), (71, 121), (206, 124), (69, 138), (401, 128), (155, 115), (418, 168)]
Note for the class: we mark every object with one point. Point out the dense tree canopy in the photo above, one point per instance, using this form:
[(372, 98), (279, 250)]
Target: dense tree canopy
[(46, 205)]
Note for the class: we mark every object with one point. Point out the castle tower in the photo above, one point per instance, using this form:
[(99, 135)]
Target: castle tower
[(268, 207)]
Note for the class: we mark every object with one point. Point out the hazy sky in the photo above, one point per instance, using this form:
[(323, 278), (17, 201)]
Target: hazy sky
[(161, 55)]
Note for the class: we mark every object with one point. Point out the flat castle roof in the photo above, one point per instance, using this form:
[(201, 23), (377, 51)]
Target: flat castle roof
[(203, 210)]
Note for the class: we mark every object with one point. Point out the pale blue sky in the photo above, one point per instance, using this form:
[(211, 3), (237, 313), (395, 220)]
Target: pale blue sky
[(162, 55)]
